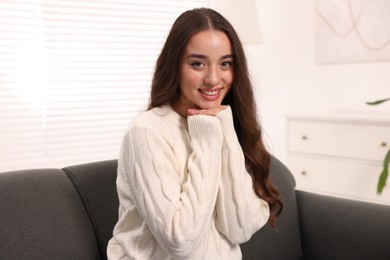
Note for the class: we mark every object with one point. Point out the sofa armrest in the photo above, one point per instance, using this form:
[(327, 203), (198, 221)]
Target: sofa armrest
[(335, 228)]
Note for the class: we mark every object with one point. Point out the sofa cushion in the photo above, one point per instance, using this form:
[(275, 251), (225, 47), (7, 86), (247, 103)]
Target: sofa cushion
[(42, 217), (285, 242), (96, 185)]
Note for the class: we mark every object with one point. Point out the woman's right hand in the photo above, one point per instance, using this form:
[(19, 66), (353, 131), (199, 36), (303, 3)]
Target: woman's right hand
[(208, 112)]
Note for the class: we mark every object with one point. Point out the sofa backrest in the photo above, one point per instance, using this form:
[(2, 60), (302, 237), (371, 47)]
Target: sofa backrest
[(96, 185), (285, 242), (71, 213), (340, 228), (42, 217)]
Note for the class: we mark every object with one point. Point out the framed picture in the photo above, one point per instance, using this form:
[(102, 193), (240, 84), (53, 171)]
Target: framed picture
[(352, 30)]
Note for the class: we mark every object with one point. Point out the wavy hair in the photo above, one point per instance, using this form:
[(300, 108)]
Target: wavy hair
[(166, 90)]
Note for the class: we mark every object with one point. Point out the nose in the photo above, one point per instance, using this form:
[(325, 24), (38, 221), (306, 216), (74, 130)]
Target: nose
[(212, 77)]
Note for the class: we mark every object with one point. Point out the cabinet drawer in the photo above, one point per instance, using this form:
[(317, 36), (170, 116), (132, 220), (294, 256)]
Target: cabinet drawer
[(349, 140), (338, 178)]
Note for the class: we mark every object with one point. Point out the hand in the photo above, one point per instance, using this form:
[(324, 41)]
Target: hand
[(208, 112)]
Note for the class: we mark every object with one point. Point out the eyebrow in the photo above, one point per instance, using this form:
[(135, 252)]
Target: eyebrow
[(201, 56)]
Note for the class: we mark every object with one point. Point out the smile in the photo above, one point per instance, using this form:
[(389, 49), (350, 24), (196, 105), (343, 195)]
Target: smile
[(209, 93)]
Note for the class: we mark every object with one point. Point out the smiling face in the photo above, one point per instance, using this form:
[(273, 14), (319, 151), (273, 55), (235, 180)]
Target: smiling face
[(206, 71)]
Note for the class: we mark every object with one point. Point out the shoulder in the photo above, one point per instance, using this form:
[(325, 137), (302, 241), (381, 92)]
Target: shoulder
[(158, 119), (148, 117), (158, 126)]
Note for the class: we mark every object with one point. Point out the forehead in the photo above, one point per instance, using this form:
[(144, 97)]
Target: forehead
[(209, 42)]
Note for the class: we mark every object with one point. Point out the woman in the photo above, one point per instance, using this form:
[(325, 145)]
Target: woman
[(193, 171)]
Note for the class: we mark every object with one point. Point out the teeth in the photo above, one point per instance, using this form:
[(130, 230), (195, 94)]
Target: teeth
[(209, 93)]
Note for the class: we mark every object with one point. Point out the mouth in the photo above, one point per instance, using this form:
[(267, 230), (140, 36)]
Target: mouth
[(209, 93)]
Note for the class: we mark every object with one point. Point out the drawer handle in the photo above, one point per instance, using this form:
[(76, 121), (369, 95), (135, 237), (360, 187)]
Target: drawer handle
[(384, 144), (304, 173), (304, 137)]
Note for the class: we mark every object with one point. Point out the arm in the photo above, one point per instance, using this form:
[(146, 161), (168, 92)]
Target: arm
[(177, 214), (240, 212)]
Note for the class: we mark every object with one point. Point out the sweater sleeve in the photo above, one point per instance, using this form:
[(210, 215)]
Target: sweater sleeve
[(177, 214), (240, 212)]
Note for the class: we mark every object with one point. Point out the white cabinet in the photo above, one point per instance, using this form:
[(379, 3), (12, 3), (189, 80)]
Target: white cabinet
[(339, 155)]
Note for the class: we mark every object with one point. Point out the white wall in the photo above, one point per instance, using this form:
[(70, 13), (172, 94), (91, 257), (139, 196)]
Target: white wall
[(289, 81)]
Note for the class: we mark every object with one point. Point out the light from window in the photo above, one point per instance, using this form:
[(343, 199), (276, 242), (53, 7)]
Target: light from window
[(73, 74)]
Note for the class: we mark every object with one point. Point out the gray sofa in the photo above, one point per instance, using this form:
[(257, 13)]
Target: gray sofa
[(69, 213)]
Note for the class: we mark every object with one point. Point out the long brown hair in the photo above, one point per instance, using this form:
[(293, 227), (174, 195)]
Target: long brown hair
[(166, 90)]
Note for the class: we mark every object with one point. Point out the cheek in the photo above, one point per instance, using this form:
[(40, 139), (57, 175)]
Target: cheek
[(229, 77), (229, 81), (191, 79)]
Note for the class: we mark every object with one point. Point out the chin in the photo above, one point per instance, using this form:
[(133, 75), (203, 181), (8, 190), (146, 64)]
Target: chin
[(210, 106)]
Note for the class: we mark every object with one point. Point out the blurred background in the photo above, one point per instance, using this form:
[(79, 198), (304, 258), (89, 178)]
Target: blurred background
[(74, 73)]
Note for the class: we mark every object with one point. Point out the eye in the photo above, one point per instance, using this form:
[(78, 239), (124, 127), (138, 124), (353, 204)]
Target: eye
[(197, 65), (226, 64)]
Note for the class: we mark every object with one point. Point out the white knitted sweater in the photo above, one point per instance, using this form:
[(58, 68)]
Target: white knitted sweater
[(183, 189)]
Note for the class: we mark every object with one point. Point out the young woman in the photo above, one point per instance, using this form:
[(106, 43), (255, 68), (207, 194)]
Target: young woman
[(193, 171)]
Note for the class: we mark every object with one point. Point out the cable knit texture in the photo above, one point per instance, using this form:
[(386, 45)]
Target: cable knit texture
[(183, 189)]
